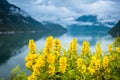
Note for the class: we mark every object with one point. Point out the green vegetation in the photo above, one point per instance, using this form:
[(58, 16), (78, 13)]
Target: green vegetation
[(115, 31)]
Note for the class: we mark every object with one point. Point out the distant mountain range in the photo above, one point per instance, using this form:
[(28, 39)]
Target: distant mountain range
[(12, 18), (115, 31), (90, 23), (56, 27), (87, 18), (93, 19)]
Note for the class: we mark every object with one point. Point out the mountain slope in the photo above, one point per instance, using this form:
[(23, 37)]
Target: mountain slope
[(12, 18), (54, 27), (115, 31)]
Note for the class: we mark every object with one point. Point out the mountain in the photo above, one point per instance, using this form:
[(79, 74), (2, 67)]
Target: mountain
[(88, 23), (12, 18), (115, 31), (54, 27), (87, 18)]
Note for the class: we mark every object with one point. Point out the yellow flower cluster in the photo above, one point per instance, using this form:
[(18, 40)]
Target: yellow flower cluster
[(109, 48), (30, 59), (73, 47), (54, 61), (105, 62), (36, 68), (40, 61), (98, 49), (85, 48), (49, 42), (94, 64), (51, 59), (51, 69), (79, 62), (80, 66), (83, 68), (111, 57), (29, 64), (62, 64), (32, 77), (31, 45), (117, 49), (57, 47), (91, 70), (48, 45), (97, 64)]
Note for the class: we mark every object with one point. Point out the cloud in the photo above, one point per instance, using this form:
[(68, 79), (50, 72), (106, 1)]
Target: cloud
[(65, 11)]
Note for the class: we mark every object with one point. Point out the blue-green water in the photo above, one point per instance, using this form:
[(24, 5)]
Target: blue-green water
[(13, 47)]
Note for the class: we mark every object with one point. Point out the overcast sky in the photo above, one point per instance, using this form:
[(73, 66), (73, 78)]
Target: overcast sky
[(65, 11)]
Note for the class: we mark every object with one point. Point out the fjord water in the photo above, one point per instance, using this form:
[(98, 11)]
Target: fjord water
[(13, 47)]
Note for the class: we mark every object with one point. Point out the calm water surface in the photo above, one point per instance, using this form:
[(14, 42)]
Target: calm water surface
[(13, 47)]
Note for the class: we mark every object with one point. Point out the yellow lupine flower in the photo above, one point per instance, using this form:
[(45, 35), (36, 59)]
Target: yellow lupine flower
[(49, 42), (79, 62), (40, 61), (73, 47), (117, 49), (31, 57), (85, 48), (57, 44), (36, 72), (94, 58), (97, 64), (62, 64), (57, 47), (36, 69), (91, 70), (32, 77), (105, 61), (28, 64), (92, 63), (111, 57), (109, 48), (83, 68), (51, 69), (51, 59), (48, 46), (30, 60), (31, 45), (98, 49)]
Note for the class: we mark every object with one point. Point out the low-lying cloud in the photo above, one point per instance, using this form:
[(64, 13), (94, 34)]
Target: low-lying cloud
[(65, 11)]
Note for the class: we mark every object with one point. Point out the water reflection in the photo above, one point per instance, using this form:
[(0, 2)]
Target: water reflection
[(11, 43), (92, 37)]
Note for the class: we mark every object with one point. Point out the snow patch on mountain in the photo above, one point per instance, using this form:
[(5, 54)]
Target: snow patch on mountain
[(18, 11)]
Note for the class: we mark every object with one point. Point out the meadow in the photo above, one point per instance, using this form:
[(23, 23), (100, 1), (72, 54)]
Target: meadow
[(53, 62)]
